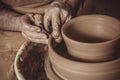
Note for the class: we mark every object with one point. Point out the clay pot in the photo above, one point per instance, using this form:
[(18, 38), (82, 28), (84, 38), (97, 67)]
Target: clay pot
[(69, 69), (17, 70), (29, 62), (91, 37)]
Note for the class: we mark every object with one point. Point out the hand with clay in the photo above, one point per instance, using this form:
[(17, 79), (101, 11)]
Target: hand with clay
[(32, 28), (55, 16)]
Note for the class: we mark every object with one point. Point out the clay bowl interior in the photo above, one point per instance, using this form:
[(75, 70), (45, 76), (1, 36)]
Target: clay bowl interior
[(29, 62), (91, 37), (70, 69)]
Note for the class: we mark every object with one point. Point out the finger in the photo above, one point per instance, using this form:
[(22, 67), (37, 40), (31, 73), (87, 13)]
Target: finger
[(63, 15), (56, 24), (35, 35), (59, 39), (31, 17), (44, 41), (47, 19), (38, 19), (29, 27), (68, 18)]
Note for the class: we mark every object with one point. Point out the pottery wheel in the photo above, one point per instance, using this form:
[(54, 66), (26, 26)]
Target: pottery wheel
[(31, 61), (51, 74)]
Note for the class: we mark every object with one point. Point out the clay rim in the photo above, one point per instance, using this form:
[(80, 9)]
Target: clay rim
[(69, 61), (16, 67), (84, 17)]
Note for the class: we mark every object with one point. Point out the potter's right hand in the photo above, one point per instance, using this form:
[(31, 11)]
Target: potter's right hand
[(32, 29), (54, 17)]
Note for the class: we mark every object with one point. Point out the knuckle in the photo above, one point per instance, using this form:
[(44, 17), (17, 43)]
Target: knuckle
[(56, 28)]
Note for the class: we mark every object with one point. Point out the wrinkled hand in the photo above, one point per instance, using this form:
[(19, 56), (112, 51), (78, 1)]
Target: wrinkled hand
[(32, 28), (55, 16)]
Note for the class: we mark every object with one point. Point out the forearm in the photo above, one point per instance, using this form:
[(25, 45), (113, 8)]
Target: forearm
[(9, 20), (72, 3)]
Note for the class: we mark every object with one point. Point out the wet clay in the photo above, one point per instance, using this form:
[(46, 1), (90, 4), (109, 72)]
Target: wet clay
[(91, 37), (61, 49), (81, 37), (31, 62), (69, 69)]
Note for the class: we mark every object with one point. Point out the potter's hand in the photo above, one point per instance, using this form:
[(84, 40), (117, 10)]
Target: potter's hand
[(56, 15), (32, 28)]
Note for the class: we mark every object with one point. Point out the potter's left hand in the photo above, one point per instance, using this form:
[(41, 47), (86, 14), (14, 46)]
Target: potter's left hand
[(56, 15)]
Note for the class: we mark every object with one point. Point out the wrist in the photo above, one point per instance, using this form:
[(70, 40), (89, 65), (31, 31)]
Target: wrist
[(18, 23), (9, 22), (62, 5)]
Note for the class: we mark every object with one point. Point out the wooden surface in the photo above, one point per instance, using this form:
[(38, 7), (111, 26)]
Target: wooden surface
[(9, 44)]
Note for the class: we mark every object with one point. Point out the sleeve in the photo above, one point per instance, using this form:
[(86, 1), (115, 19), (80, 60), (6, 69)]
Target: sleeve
[(9, 20)]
